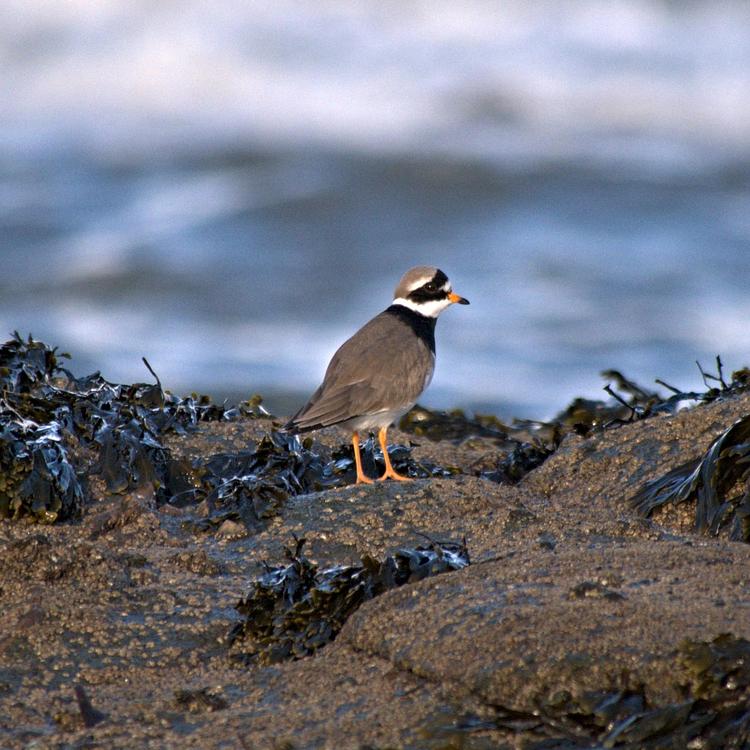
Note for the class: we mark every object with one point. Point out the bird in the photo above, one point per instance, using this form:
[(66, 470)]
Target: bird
[(378, 374)]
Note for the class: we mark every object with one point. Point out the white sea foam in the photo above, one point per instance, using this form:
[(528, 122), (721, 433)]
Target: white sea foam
[(622, 80)]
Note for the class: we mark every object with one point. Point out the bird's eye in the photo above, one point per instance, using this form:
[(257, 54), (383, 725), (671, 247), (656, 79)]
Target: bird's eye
[(430, 287)]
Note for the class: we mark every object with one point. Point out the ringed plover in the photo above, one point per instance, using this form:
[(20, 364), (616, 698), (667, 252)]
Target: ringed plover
[(378, 374)]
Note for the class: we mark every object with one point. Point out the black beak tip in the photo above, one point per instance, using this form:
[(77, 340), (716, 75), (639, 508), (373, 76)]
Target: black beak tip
[(463, 301)]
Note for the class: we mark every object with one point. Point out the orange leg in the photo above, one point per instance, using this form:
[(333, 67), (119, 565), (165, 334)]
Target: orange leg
[(389, 470), (361, 478)]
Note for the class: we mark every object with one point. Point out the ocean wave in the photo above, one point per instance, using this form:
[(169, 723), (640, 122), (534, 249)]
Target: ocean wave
[(624, 81)]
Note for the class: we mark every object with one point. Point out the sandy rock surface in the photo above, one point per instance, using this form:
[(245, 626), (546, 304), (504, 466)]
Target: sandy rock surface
[(569, 590)]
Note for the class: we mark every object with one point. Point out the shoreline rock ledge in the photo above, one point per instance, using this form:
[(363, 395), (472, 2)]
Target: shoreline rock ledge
[(579, 623)]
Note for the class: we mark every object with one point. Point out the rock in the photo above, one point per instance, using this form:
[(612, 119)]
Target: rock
[(577, 621)]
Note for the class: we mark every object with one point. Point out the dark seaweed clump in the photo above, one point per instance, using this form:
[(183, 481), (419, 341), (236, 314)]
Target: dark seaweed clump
[(642, 403), (718, 483), (582, 416), (524, 445), (519, 449), (452, 425), (714, 677), (631, 402), (295, 609), (251, 486), (56, 431)]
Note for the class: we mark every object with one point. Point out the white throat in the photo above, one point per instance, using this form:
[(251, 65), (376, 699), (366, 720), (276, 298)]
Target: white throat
[(430, 309)]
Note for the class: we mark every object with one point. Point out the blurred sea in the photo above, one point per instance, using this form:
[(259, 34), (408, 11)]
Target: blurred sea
[(232, 188)]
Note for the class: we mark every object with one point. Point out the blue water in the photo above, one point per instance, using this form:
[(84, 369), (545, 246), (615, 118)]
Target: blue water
[(232, 189)]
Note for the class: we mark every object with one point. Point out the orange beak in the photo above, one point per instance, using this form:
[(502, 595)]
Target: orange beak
[(455, 298)]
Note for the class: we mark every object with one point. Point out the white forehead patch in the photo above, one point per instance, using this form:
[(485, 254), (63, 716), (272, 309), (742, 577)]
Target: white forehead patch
[(421, 281)]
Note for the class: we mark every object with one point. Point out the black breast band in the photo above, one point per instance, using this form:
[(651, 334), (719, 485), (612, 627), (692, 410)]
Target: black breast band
[(422, 325)]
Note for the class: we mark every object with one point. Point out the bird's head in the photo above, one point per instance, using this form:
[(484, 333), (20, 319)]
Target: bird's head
[(426, 290)]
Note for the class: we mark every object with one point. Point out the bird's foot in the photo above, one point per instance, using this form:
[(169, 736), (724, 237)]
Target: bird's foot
[(393, 474), (362, 479)]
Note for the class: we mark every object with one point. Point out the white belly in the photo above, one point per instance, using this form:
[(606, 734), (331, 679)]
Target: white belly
[(375, 421)]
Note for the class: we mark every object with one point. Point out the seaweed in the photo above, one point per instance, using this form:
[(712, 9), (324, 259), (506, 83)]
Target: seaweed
[(518, 462), (57, 430), (713, 714), (522, 446), (711, 481), (529, 443), (526, 444), (295, 609), (252, 486), (634, 402), (716, 670), (629, 402), (451, 425)]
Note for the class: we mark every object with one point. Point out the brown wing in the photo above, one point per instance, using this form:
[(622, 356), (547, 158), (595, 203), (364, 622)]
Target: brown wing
[(383, 366)]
